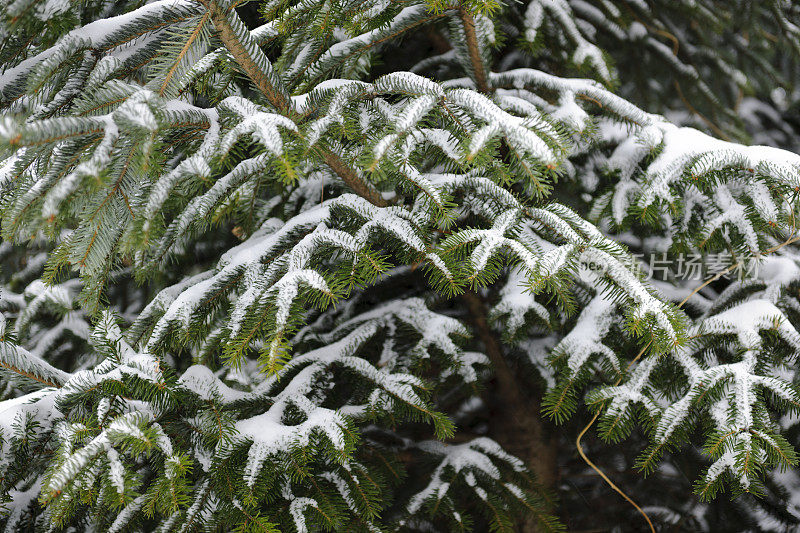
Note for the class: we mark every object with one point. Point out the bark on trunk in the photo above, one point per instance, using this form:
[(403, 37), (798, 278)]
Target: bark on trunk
[(515, 421)]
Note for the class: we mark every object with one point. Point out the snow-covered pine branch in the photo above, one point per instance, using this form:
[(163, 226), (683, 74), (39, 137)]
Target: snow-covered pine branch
[(331, 265)]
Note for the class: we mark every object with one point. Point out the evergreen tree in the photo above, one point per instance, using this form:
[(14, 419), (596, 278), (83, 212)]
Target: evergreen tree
[(339, 265)]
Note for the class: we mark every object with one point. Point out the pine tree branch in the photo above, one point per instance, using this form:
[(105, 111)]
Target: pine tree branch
[(791, 239), (283, 104), (474, 52), (22, 362), (243, 59), (352, 180), (182, 54), (29, 375)]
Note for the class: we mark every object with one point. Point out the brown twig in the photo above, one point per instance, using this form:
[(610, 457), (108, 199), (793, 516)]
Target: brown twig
[(481, 81), (283, 104), (243, 59), (352, 180), (716, 129), (182, 54)]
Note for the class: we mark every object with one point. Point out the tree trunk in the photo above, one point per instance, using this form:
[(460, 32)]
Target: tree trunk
[(515, 421)]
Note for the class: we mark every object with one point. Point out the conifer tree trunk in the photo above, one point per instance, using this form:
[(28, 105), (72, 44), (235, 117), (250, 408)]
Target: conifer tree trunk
[(515, 422)]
